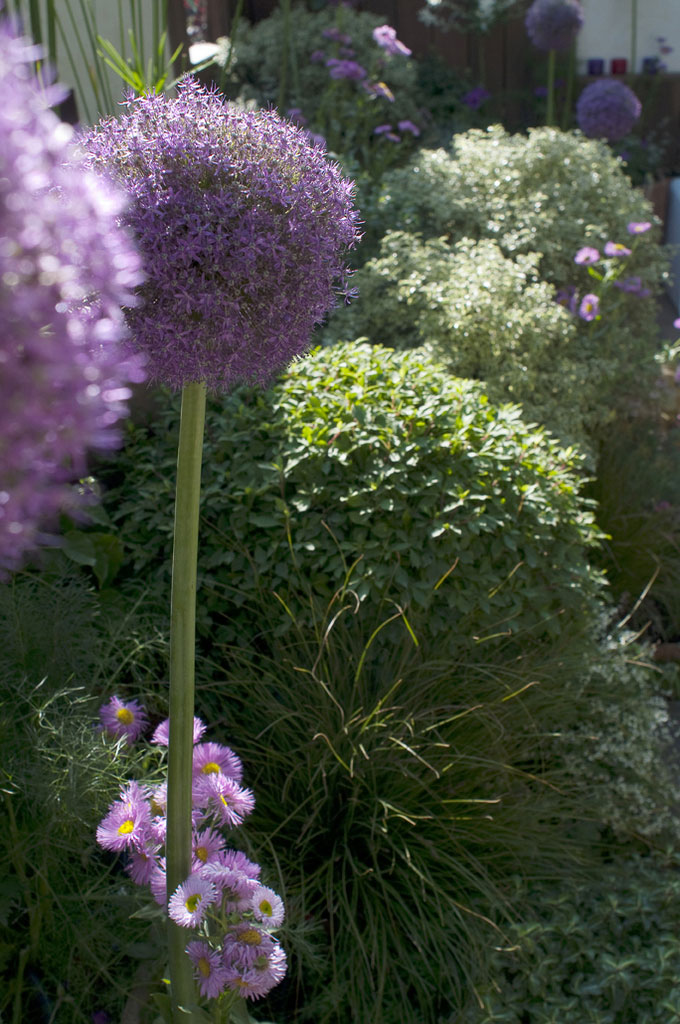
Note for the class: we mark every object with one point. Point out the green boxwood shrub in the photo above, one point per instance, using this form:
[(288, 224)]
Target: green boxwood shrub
[(487, 317), (377, 466), (603, 950)]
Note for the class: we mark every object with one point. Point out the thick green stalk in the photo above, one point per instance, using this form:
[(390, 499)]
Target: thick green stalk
[(550, 112), (182, 644)]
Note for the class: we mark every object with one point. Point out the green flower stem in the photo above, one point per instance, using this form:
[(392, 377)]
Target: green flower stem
[(550, 112), (182, 649)]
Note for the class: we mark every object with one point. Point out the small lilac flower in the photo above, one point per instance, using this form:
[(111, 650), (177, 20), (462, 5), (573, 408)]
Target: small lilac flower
[(245, 943), (161, 734), (378, 89), (141, 866), (238, 860), (66, 271), (189, 903), (386, 37), (243, 228), (317, 57), (568, 298), (209, 971), (587, 255), (234, 887), (206, 845), (554, 24), (607, 109), (408, 126), (676, 324), (616, 249), (267, 907), (225, 798), (346, 69), (632, 285), (382, 129), (127, 823), (638, 227), (475, 97), (213, 758), (589, 308), (257, 980), (123, 718), (159, 883)]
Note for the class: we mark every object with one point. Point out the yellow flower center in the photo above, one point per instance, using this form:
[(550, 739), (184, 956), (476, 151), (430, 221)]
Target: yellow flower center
[(204, 966), (192, 902), (211, 768), (125, 716), (251, 937), (202, 853), (126, 828), (265, 907)]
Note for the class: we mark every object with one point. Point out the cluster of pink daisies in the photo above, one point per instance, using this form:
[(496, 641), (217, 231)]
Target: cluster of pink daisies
[(223, 895), (588, 307)]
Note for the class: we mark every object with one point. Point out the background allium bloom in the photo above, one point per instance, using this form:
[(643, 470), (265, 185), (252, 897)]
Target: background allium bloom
[(65, 271), (386, 37), (554, 24), (243, 226), (607, 109), (587, 255), (123, 718)]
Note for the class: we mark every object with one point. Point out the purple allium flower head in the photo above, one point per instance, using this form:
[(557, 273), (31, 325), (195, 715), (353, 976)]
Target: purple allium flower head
[(554, 24), (475, 97), (346, 69), (587, 255), (209, 971), (65, 271), (607, 109), (638, 227), (589, 308), (123, 718), (243, 227), (386, 37), (189, 903), (616, 249)]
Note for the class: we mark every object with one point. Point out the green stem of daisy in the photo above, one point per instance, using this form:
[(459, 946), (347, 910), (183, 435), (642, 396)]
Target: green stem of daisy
[(550, 112), (182, 654)]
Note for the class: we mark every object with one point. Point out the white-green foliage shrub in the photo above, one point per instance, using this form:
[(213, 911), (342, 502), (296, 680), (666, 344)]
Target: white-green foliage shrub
[(622, 753), (483, 316)]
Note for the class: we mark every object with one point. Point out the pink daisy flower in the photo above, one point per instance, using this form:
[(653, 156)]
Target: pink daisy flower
[(161, 735), (141, 866), (225, 799), (616, 249), (123, 719), (238, 860), (209, 971), (253, 982), (267, 906), (206, 845), (189, 902), (638, 227), (235, 889), (213, 759), (587, 255), (158, 883), (127, 823)]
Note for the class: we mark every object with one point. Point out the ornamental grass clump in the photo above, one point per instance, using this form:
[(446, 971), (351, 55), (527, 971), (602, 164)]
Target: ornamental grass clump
[(66, 269), (243, 226)]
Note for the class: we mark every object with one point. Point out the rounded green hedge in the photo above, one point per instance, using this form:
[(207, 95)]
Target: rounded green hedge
[(375, 467)]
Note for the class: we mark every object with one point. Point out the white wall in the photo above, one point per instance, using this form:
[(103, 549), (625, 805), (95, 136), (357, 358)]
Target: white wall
[(607, 33)]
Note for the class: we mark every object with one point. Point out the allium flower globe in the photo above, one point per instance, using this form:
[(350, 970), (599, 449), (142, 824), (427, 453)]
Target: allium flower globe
[(66, 269), (607, 109), (554, 24), (243, 226)]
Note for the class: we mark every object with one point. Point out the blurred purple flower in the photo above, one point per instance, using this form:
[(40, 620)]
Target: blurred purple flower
[(568, 298), (243, 226), (676, 324), (616, 249), (66, 269), (382, 129), (607, 109), (408, 126), (638, 227), (386, 37), (589, 308), (123, 719), (346, 69), (632, 285), (554, 24), (336, 36), (475, 97), (317, 56), (587, 255), (347, 51), (379, 89)]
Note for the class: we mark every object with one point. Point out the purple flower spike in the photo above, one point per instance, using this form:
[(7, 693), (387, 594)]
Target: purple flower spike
[(607, 109), (589, 308), (386, 37), (554, 24), (587, 255), (616, 249), (638, 227), (243, 226), (66, 270)]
